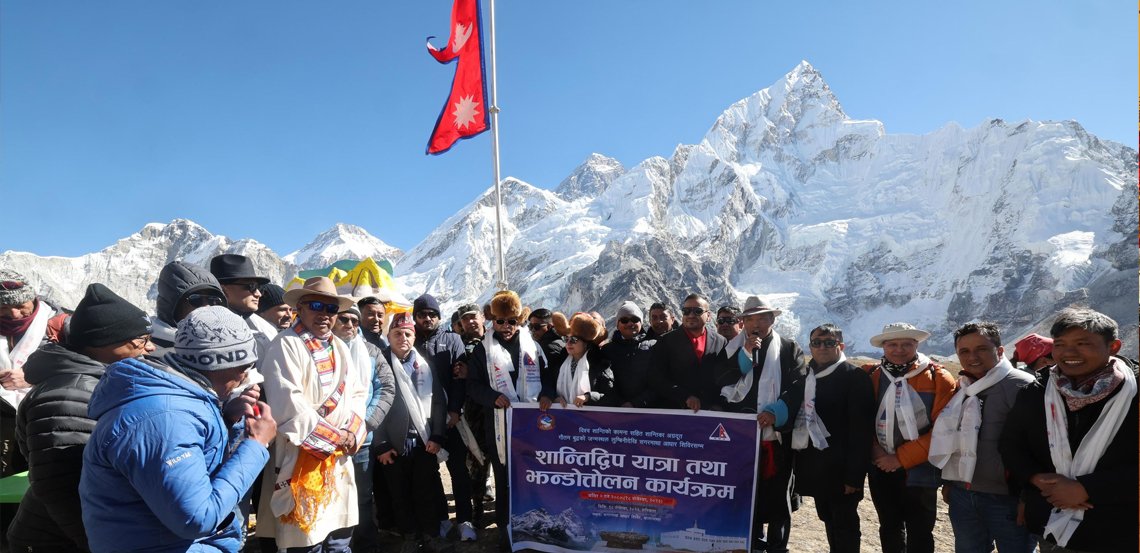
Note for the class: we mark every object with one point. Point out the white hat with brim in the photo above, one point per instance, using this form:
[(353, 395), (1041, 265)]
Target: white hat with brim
[(895, 331), (755, 306), (317, 286)]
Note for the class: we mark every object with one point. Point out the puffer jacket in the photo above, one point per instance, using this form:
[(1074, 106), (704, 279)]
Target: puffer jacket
[(156, 473), (52, 429)]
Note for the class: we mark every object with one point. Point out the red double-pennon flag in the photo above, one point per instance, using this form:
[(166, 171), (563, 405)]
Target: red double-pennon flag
[(465, 113)]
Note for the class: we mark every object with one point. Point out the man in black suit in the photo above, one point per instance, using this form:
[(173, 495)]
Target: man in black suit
[(685, 364)]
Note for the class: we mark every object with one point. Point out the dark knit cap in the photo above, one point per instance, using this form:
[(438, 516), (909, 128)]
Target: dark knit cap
[(103, 318), (272, 295), (424, 302)]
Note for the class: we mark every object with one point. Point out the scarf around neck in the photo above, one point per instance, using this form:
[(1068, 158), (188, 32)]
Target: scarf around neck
[(808, 424), (574, 378), (954, 440), (901, 404), (767, 389), (416, 392), (1062, 523)]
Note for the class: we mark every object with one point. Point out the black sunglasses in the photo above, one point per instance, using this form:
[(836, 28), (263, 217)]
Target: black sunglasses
[(533, 326), (428, 314), (250, 287), (316, 305), (628, 320), (574, 340), (348, 320), (726, 321), (693, 310), (824, 343), (512, 322), (202, 300)]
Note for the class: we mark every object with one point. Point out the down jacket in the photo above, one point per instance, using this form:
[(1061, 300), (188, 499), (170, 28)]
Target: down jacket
[(156, 473), (52, 429)]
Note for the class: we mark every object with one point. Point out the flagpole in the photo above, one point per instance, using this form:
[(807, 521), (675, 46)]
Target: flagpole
[(494, 110)]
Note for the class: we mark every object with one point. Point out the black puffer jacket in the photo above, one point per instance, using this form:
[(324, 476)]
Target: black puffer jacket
[(52, 430), (629, 360)]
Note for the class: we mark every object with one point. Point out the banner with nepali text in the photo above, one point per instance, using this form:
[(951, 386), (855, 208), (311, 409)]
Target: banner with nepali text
[(595, 478)]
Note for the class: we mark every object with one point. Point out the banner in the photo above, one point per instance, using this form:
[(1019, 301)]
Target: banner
[(613, 478)]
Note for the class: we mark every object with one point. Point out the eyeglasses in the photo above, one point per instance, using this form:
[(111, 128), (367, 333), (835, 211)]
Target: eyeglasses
[(574, 340), (145, 340), (534, 326), (11, 284), (824, 343), (428, 314), (316, 305), (512, 322), (348, 320), (250, 287), (692, 311), (628, 320), (726, 321), (202, 300)]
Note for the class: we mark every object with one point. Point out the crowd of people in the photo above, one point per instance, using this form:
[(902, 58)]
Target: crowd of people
[(324, 419)]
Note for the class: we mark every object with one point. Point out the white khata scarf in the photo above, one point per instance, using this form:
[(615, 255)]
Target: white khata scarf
[(1063, 523), (499, 367), (28, 344), (954, 440), (416, 395), (767, 389), (901, 404), (808, 424), (574, 381)]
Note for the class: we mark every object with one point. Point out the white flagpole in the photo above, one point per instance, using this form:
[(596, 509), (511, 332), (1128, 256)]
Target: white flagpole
[(494, 110)]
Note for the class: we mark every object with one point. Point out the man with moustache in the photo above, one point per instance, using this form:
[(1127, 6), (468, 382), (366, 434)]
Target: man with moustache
[(242, 286), (685, 364), (628, 353), (272, 307), (767, 374), (309, 499), (372, 311), (661, 320)]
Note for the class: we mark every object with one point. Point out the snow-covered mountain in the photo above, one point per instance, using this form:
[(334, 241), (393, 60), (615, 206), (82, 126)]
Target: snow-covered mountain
[(830, 218), (341, 242), (131, 265)]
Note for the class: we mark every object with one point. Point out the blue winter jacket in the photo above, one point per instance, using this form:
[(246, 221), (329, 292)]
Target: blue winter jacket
[(156, 472)]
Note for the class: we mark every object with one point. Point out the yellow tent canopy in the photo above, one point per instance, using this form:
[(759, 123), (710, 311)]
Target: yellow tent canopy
[(359, 279)]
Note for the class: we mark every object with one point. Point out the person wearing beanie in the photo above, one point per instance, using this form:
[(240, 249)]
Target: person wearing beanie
[(372, 368), (409, 442), (443, 351), (272, 307), (309, 498), (163, 456), (52, 426), (522, 376), (628, 355), (26, 324), (182, 288)]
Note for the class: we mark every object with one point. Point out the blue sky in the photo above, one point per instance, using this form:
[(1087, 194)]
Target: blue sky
[(275, 120)]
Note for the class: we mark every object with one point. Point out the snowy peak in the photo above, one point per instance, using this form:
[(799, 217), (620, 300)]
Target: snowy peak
[(591, 178), (341, 242)]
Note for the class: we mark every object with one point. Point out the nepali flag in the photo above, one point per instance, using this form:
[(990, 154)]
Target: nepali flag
[(465, 113)]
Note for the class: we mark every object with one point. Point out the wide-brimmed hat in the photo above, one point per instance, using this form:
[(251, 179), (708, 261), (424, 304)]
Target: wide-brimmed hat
[(317, 286), (230, 266), (895, 331), (755, 306)]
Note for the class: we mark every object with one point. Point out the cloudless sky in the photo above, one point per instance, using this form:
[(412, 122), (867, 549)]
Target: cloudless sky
[(274, 120)]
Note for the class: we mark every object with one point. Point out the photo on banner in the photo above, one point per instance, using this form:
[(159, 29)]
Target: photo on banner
[(600, 479)]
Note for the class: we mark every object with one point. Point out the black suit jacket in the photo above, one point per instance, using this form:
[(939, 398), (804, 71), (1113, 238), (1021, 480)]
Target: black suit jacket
[(675, 373)]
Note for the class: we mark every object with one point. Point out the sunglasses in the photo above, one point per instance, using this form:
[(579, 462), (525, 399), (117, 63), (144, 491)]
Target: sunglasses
[(316, 305), (629, 320), (693, 311), (11, 284), (726, 321), (512, 322), (574, 340), (348, 320), (428, 314), (824, 343), (202, 300), (535, 326), (251, 287)]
